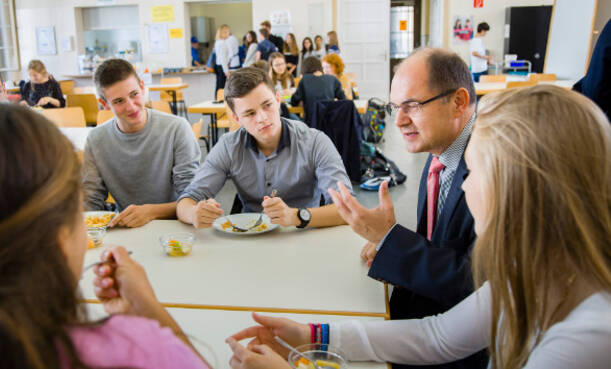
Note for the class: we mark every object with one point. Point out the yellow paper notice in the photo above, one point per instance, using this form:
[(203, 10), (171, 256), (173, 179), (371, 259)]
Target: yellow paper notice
[(175, 32), (163, 13)]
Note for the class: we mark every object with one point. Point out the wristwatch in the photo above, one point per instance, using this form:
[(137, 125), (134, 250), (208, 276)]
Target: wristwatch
[(304, 216)]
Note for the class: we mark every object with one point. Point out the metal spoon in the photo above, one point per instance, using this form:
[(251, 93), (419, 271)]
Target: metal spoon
[(291, 348), (260, 219)]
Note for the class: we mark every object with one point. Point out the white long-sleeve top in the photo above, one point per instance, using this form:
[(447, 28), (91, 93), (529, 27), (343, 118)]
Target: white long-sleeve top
[(251, 55), (233, 49), (581, 340), (227, 53)]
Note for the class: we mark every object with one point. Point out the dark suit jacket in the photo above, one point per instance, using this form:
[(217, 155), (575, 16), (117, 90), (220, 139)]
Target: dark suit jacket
[(431, 277)]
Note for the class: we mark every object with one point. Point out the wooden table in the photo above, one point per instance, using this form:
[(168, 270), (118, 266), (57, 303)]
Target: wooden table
[(314, 271), (482, 88), (208, 329), (170, 89), (212, 108)]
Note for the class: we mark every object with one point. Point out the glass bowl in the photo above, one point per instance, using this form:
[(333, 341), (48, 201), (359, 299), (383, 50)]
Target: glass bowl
[(325, 357), (177, 244), (95, 237)]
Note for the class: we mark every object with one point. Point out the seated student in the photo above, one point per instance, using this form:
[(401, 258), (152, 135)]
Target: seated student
[(542, 209), (143, 157), (42, 89), (44, 240), (315, 86), (333, 65), (282, 79), (267, 153), (265, 46)]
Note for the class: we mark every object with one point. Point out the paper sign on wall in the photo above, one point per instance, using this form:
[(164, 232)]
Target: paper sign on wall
[(158, 38), (163, 13), (175, 32), (402, 25)]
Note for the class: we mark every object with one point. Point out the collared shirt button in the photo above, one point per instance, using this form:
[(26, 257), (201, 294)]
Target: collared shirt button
[(268, 184)]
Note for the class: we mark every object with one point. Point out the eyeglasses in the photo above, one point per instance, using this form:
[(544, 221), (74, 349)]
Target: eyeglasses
[(414, 107)]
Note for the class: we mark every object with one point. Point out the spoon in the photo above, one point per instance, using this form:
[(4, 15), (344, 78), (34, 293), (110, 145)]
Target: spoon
[(97, 263), (291, 348), (260, 219)]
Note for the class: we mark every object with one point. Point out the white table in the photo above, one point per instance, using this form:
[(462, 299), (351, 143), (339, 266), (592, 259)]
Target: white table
[(210, 328), (315, 271), (77, 135)]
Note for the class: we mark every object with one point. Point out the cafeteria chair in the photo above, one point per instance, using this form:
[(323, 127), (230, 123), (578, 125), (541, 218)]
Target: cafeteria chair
[(161, 105), (179, 98), (66, 117), (493, 78), (88, 102), (539, 77), (197, 129), (513, 84), (67, 86), (104, 116), (223, 120)]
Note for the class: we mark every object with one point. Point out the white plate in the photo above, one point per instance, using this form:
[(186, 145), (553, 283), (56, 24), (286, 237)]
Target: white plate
[(245, 220), (99, 214)]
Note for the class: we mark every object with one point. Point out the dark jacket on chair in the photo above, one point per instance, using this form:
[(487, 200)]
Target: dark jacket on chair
[(430, 277), (313, 88), (341, 122)]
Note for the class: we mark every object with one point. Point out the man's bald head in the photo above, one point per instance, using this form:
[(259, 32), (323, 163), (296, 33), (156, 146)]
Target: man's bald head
[(444, 70)]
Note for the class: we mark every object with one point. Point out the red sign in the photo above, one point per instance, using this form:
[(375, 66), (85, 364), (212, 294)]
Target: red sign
[(478, 3)]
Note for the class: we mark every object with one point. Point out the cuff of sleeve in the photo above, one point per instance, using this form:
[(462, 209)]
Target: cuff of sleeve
[(379, 246), (190, 196), (351, 337)]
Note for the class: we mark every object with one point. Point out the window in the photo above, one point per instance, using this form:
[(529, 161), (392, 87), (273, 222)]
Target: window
[(9, 53)]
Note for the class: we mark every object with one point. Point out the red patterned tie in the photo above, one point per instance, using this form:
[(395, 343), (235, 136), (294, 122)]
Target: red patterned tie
[(432, 193)]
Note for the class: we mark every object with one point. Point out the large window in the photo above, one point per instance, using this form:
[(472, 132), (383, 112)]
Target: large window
[(9, 53)]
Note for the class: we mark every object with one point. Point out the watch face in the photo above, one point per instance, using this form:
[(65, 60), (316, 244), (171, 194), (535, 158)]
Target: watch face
[(304, 214)]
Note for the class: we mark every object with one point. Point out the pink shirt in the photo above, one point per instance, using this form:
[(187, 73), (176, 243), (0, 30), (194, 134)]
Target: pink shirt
[(130, 341)]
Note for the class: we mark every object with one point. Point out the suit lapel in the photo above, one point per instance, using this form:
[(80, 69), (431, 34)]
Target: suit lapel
[(455, 194), (421, 227)]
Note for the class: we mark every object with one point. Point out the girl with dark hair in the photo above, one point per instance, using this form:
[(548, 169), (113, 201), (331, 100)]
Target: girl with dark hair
[(44, 239), (251, 48)]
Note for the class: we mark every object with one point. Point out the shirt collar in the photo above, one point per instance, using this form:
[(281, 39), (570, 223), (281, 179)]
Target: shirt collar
[(285, 139), (453, 154)]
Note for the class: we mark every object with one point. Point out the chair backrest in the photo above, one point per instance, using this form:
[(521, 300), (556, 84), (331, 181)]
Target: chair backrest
[(103, 116), (538, 77), (297, 79), (512, 84), (88, 102), (351, 76), (161, 105), (66, 117), (493, 78), (67, 86), (170, 81), (197, 128)]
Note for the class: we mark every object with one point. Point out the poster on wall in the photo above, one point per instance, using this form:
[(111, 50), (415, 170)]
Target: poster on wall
[(462, 28), (281, 22), (45, 40), (158, 38)]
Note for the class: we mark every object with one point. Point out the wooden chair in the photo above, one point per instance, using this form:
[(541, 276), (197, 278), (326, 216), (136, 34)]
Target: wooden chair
[(66, 117), (493, 78), (67, 86), (297, 80), (513, 84), (104, 116), (168, 98), (161, 105), (88, 102), (223, 120), (197, 132), (538, 77)]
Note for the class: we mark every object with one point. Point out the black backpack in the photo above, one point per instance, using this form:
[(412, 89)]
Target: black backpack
[(376, 164)]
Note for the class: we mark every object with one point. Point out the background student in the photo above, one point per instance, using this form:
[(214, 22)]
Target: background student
[(42, 89), (281, 75)]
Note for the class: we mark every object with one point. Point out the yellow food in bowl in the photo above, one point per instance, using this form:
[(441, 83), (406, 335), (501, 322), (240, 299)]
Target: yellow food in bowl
[(175, 248), (96, 221)]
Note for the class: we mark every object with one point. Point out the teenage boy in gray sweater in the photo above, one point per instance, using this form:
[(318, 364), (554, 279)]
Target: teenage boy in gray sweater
[(143, 157)]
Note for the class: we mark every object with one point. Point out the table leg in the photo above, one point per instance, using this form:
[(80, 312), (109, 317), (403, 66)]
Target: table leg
[(215, 130), (174, 107)]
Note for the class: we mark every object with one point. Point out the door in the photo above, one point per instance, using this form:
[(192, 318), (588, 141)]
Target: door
[(364, 35), (528, 28)]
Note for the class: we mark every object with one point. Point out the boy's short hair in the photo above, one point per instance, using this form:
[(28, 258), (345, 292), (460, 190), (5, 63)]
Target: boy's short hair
[(110, 72), (266, 24), (241, 82), (264, 32), (263, 65), (311, 64), (483, 27)]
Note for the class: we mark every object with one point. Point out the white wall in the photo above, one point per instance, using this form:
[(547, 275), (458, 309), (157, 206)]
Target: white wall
[(238, 16), (493, 13), (299, 15)]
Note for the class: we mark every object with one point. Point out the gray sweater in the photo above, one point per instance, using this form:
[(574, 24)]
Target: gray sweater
[(152, 166)]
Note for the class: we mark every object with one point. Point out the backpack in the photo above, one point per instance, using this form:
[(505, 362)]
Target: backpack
[(375, 167), (373, 120)]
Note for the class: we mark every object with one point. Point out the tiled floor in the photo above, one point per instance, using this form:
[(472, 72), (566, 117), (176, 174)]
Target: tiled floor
[(405, 196)]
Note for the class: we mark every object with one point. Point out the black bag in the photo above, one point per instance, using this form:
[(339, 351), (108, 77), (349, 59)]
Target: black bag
[(373, 120), (377, 164)]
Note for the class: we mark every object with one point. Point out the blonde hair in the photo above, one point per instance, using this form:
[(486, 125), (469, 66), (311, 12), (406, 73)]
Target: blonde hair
[(38, 66), (290, 47), (546, 154), (286, 79), (332, 38)]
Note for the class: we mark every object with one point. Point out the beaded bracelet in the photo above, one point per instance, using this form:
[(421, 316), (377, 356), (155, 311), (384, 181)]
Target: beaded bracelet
[(319, 334), (313, 332), (325, 333)]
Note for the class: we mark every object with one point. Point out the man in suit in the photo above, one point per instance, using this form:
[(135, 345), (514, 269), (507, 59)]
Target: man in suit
[(433, 99)]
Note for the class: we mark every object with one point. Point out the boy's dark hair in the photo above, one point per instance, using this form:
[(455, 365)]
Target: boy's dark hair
[(483, 27), (267, 24), (242, 81), (263, 65), (110, 72), (264, 32), (311, 64)]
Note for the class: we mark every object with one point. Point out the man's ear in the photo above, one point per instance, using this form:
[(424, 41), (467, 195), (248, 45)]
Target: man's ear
[(461, 101)]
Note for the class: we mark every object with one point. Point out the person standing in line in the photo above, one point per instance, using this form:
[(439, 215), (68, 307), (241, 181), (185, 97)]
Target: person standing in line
[(333, 46), (265, 46), (277, 41), (220, 55), (195, 52), (291, 53), (233, 49), (319, 50), (479, 59), (307, 50), (251, 49)]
